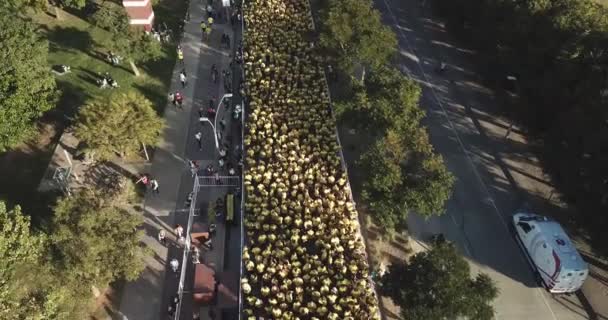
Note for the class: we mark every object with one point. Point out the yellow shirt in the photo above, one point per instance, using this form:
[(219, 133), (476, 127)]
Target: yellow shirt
[(210, 21)]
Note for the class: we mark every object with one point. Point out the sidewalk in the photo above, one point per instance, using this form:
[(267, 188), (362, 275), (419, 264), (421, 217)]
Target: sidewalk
[(147, 297)]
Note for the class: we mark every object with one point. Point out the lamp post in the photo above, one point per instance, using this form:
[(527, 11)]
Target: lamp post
[(214, 123), (217, 110), (217, 144)]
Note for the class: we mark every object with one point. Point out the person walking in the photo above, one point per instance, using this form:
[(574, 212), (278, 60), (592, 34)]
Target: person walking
[(179, 99), (162, 237), (210, 21), (144, 179), (180, 55), (203, 30), (214, 73), (154, 185), (196, 256), (209, 10), (182, 78), (179, 230), (199, 140), (172, 97), (174, 265), (208, 30), (193, 167)]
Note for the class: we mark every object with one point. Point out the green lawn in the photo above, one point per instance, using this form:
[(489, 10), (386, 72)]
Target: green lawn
[(75, 42)]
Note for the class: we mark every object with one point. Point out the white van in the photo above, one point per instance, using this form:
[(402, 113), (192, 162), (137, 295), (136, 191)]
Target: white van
[(550, 252)]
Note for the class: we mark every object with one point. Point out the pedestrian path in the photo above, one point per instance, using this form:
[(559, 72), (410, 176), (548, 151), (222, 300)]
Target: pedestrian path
[(147, 297)]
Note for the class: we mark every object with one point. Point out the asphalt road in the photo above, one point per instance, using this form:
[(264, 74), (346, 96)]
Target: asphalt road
[(485, 193)]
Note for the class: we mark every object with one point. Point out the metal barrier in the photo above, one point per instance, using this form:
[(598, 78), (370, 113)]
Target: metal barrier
[(187, 243), (243, 115)]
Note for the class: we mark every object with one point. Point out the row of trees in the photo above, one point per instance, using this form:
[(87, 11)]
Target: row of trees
[(92, 240), (404, 173), (557, 50)]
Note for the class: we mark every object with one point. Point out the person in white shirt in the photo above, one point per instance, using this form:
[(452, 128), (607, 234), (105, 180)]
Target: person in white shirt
[(182, 78), (174, 265)]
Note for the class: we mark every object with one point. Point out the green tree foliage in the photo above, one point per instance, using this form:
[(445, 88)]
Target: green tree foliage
[(131, 43), (404, 175), (76, 4), (557, 49), (353, 33), (118, 125), (19, 248), (19, 4), (27, 87), (31, 287), (437, 284), (96, 242), (111, 17), (386, 99)]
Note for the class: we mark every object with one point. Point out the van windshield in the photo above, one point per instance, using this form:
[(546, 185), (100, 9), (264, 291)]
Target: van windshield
[(524, 226)]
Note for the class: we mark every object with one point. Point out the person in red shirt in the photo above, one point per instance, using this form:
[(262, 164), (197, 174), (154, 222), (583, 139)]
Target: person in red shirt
[(179, 99)]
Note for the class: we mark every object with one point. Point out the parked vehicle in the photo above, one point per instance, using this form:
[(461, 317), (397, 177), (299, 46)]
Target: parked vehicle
[(557, 264)]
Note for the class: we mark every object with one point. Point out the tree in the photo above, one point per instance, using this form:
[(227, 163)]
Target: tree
[(27, 87), (19, 248), (96, 240), (111, 17), (405, 175), (119, 125), (437, 284), (386, 99), (133, 44), (353, 33), (19, 4)]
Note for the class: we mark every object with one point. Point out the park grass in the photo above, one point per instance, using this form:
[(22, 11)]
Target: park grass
[(75, 42)]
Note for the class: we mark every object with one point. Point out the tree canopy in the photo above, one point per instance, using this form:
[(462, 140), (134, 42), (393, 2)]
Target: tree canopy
[(19, 248), (437, 284), (97, 242), (404, 173), (386, 99), (27, 87), (118, 125), (111, 17), (353, 33), (557, 51)]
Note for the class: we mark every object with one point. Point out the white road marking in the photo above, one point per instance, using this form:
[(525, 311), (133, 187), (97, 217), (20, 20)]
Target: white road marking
[(462, 146)]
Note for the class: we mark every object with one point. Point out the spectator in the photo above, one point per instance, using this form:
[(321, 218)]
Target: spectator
[(179, 230), (154, 185), (174, 265), (179, 99), (199, 139), (180, 55), (182, 78), (172, 97), (144, 179), (162, 236)]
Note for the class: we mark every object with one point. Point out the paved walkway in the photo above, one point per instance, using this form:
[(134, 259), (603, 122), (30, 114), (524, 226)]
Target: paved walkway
[(147, 297)]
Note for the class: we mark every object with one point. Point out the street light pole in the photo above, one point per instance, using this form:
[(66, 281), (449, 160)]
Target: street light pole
[(217, 144), (217, 110)]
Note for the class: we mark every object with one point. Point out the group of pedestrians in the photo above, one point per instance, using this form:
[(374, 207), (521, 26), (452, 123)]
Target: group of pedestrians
[(206, 113), (149, 183)]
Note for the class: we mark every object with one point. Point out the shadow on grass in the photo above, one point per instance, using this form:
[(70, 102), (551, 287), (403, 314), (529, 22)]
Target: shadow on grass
[(61, 38)]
